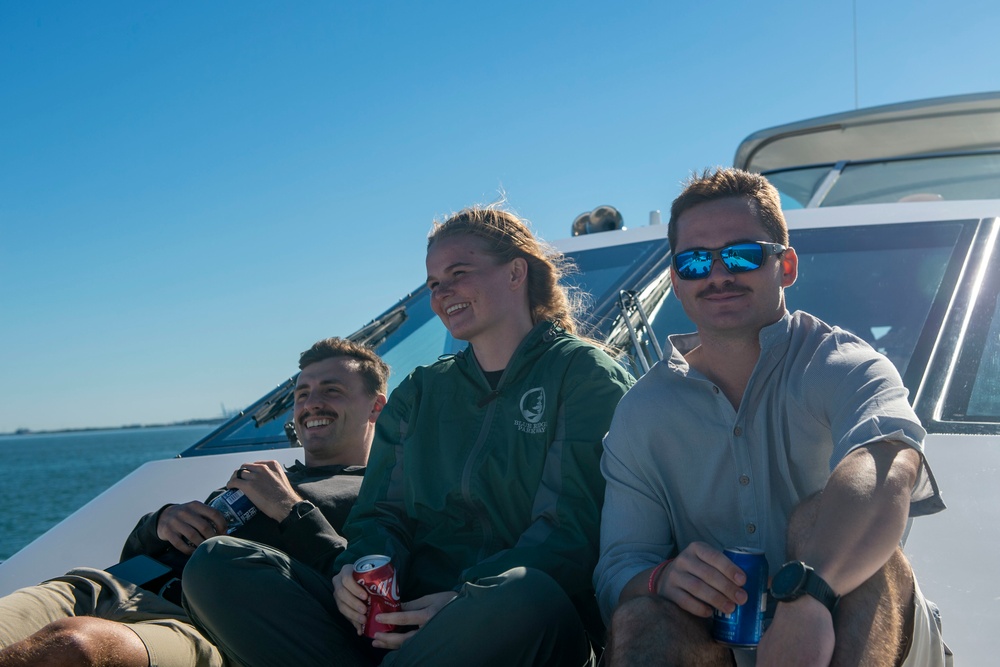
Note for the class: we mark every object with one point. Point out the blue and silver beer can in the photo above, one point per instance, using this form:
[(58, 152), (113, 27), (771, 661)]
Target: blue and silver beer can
[(236, 507), (744, 627)]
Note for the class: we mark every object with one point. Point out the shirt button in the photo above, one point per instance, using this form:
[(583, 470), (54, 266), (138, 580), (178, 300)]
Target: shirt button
[(715, 389), (744, 480), (737, 431), (751, 528)]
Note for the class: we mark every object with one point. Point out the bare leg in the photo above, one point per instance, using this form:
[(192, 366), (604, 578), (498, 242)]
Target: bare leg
[(78, 642), (651, 630), (872, 622)]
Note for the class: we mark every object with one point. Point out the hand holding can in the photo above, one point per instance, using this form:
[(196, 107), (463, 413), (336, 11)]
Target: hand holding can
[(377, 576), (236, 507), (743, 628)]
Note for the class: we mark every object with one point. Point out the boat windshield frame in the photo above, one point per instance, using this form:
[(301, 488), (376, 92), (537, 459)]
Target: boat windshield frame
[(949, 176)]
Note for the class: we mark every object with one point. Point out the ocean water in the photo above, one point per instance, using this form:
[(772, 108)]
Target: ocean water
[(46, 477)]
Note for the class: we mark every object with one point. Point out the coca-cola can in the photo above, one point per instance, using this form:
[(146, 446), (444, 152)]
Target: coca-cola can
[(378, 577)]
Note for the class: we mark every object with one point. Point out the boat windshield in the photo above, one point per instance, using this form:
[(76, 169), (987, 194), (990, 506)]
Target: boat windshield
[(929, 178)]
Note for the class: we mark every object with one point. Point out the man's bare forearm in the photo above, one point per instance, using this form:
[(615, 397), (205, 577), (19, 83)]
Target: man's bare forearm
[(862, 514)]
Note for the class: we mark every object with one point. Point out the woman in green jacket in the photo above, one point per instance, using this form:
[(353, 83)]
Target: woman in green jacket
[(485, 465)]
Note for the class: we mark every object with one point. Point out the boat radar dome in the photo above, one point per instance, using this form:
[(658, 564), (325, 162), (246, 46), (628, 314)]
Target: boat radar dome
[(601, 219)]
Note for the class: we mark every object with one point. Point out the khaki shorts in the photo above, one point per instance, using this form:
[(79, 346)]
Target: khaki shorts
[(163, 627), (927, 647)]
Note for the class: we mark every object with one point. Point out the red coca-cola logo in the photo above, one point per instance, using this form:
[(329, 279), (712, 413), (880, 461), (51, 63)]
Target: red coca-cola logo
[(383, 588)]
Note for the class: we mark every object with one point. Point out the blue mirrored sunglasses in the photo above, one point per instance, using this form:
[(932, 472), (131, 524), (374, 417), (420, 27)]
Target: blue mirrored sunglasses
[(737, 258)]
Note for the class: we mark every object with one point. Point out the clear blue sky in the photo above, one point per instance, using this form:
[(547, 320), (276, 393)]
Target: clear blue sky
[(191, 193)]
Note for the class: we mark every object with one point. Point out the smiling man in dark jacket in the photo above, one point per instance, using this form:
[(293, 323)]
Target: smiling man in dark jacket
[(92, 616)]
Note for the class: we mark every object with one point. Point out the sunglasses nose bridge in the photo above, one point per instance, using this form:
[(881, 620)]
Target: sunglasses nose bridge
[(715, 263), (718, 266)]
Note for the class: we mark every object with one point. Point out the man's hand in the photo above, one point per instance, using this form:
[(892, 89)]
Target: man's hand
[(351, 597), (416, 612), (801, 635), (702, 579), (188, 525), (267, 487)]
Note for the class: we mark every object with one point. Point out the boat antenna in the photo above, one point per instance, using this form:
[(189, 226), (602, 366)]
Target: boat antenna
[(855, 7)]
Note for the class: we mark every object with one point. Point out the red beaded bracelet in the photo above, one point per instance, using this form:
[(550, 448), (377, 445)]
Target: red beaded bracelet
[(656, 573)]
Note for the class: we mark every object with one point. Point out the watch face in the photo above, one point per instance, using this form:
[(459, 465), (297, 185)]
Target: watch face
[(787, 583)]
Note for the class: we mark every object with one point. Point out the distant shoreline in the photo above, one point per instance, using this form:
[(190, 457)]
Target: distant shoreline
[(189, 422)]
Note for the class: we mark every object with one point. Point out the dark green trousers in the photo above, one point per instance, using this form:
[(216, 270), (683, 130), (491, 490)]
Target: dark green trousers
[(264, 609)]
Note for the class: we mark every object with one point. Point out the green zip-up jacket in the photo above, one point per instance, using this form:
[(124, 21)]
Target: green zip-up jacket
[(465, 482)]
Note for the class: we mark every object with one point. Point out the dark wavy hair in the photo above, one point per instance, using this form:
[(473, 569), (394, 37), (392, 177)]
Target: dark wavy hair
[(724, 183), (374, 371)]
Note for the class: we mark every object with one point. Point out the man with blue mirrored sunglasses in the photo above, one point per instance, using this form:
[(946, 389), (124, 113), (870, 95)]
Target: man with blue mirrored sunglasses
[(767, 430)]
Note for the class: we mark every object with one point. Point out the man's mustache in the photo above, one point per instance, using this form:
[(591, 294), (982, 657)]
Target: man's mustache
[(713, 290)]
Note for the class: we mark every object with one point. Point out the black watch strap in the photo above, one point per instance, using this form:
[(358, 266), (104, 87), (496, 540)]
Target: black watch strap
[(819, 589), (299, 510)]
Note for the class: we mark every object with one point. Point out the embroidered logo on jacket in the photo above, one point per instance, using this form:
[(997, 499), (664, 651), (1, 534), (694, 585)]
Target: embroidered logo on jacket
[(532, 408)]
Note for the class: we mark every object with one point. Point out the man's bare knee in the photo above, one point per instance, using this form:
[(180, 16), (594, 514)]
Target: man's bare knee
[(631, 618), (873, 622), (84, 641), (651, 630)]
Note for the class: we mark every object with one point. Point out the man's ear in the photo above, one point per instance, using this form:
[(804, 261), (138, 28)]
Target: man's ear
[(789, 267), (377, 407)]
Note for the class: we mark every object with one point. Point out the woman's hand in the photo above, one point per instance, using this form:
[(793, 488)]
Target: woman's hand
[(351, 597), (416, 612)]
